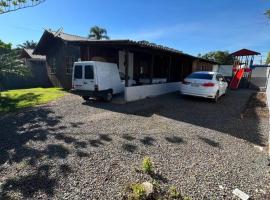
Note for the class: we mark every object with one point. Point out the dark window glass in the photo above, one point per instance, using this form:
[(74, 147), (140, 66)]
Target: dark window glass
[(78, 72), (88, 72), (201, 76)]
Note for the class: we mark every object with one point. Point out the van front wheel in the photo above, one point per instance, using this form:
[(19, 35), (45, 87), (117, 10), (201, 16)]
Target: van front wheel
[(108, 97), (86, 98)]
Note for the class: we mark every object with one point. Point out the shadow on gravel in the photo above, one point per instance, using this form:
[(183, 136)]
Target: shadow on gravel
[(210, 142), (129, 148), (24, 146), (174, 140), (148, 141), (28, 185), (224, 116)]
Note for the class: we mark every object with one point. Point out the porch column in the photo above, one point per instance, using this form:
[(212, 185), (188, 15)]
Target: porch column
[(88, 53), (126, 67), (170, 67), (152, 69)]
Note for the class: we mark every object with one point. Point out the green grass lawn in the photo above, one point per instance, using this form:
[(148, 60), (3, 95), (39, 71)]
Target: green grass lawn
[(12, 100)]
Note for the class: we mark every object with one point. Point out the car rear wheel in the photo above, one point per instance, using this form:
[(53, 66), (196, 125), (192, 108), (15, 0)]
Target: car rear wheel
[(108, 96), (86, 98), (216, 97)]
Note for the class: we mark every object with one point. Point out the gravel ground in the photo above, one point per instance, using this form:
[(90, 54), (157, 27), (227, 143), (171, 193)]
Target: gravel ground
[(70, 149)]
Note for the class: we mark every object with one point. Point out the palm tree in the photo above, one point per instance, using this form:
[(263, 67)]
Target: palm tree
[(98, 33), (28, 45)]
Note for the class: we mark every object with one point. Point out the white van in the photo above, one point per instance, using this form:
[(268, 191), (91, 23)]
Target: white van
[(96, 79)]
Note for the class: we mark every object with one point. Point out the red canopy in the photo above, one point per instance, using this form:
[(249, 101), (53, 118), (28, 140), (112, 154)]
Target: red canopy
[(245, 52)]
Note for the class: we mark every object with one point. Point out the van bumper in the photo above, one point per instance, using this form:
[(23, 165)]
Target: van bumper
[(89, 93)]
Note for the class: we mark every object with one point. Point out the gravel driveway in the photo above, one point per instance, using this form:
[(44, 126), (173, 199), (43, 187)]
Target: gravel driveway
[(70, 149)]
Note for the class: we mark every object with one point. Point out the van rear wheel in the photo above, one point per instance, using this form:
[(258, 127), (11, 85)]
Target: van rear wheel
[(108, 97), (86, 98)]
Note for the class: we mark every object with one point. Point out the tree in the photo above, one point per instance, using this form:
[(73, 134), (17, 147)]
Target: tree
[(267, 13), (98, 33), (4, 47), (10, 62), (222, 57), (268, 59), (13, 5), (28, 45)]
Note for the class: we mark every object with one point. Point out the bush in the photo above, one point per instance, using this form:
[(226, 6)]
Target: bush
[(147, 165), (138, 191), (173, 193)]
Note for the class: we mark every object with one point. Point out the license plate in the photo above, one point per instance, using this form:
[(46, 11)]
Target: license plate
[(195, 84)]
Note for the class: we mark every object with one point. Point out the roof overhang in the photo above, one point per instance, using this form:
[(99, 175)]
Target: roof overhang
[(245, 52), (49, 37)]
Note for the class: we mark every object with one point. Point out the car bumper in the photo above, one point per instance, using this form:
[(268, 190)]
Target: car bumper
[(206, 93), (90, 93), (210, 96)]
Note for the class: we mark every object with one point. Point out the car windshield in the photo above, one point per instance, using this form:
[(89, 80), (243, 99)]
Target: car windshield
[(201, 76)]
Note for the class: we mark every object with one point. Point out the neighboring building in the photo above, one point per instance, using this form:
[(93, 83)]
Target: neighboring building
[(259, 77), (37, 78), (147, 61)]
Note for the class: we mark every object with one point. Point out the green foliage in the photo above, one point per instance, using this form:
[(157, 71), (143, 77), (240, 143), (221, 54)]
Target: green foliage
[(10, 62), (268, 59), (267, 13), (12, 5), (147, 165), (98, 33), (222, 57), (187, 198), (15, 99), (13, 64), (28, 45), (138, 191), (173, 193)]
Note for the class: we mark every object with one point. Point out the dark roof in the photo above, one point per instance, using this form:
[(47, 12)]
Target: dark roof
[(123, 42), (29, 54), (245, 52)]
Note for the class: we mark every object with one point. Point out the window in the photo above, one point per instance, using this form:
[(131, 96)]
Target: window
[(220, 78), (88, 72), (69, 61), (78, 72), (201, 76), (52, 66)]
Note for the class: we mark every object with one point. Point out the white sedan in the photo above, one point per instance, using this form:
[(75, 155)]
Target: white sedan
[(204, 84)]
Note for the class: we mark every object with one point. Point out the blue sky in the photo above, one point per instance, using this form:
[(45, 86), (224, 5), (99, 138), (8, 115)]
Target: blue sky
[(193, 26)]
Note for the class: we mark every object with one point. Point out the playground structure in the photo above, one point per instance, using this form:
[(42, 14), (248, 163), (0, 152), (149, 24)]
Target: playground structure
[(242, 68)]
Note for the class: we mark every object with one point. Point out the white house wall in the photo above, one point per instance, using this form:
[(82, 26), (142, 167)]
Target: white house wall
[(144, 91)]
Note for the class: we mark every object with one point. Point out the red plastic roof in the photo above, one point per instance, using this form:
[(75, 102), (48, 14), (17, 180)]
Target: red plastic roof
[(245, 52)]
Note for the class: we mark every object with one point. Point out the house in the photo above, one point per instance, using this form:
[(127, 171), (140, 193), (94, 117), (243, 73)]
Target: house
[(38, 76), (141, 63)]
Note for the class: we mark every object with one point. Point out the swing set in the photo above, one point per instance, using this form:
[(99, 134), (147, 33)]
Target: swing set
[(242, 68)]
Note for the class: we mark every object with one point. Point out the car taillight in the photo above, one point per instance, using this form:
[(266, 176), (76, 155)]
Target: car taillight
[(96, 87), (185, 82), (208, 84)]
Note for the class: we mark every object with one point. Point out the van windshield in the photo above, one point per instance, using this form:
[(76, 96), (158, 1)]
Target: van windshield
[(78, 72), (201, 76)]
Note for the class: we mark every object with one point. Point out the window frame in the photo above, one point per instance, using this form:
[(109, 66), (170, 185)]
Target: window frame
[(52, 65), (69, 62)]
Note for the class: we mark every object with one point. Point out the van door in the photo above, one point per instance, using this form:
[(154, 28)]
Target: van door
[(78, 77), (89, 80)]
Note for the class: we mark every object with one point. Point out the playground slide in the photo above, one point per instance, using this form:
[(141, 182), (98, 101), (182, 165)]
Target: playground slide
[(237, 78)]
